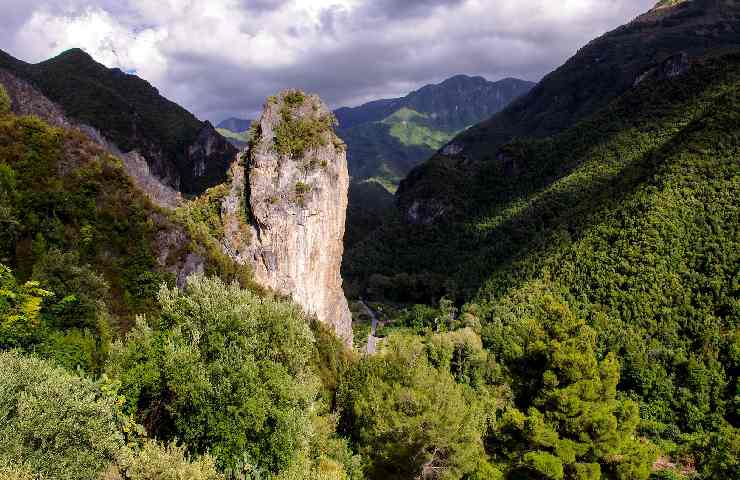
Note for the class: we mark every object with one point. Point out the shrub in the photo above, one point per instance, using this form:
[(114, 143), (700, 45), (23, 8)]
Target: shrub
[(4, 101), (297, 133), (55, 424), (15, 473), (547, 465), (294, 98), (80, 293), (154, 461), (573, 413), (20, 308), (226, 371)]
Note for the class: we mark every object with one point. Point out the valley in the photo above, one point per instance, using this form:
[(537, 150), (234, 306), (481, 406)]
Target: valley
[(494, 280)]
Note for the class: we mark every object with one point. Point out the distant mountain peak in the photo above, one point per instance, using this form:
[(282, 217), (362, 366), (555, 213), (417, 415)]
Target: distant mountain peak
[(386, 138), (234, 124), (74, 54)]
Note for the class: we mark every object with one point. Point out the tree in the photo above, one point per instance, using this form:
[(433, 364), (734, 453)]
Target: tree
[(410, 418), (55, 424), (153, 461), (81, 295), (575, 426), (225, 371), (20, 308)]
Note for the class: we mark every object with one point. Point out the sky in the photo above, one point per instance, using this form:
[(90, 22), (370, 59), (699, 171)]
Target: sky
[(222, 58)]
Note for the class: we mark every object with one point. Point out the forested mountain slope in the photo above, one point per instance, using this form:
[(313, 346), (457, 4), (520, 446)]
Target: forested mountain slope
[(187, 154), (101, 345), (631, 218), (386, 138), (656, 44), (71, 218)]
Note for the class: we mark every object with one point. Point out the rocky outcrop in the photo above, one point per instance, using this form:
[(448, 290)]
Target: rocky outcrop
[(27, 100), (673, 66), (294, 183), (425, 211)]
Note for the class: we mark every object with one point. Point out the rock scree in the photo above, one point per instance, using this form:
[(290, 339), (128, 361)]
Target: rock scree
[(293, 182)]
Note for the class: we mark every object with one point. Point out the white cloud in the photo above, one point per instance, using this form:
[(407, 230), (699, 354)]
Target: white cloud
[(222, 57), (100, 34)]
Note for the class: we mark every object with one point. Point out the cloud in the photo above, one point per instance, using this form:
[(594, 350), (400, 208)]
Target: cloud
[(220, 58)]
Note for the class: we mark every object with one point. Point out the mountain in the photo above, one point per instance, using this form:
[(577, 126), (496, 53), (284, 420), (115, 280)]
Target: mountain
[(187, 154), (73, 217), (658, 43), (608, 197), (119, 317), (238, 139), (236, 131), (386, 138), (236, 125)]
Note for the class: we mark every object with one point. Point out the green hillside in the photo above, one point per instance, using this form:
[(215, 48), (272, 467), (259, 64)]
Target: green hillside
[(387, 138), (556, 296), (72, 219), (112, 364), (238, 139), (631, 219), (128, 111), (600, 72)]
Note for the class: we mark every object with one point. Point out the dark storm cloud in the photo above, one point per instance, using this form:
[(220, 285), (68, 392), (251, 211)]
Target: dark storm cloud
[(403, 9), (224, 57)]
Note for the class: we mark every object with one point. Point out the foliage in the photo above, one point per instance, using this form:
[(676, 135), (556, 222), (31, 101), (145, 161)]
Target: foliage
[(299, 131), (409, 418), (206, 210), (226, 371), (717, 454), (4, 101), (128, 110), (16, 473), (574, 418), (90, 209), (81, 294), (88, 235), (630, 217), (20, 308), (54, 424), (153, 461)]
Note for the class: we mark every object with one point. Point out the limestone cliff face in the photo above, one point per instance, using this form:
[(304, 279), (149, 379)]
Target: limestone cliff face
[(295, 188)]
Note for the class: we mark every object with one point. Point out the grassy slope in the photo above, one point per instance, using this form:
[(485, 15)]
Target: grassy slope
[(239, 136), (386, 150), (633, 217), (410, 128), (386, 139)]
